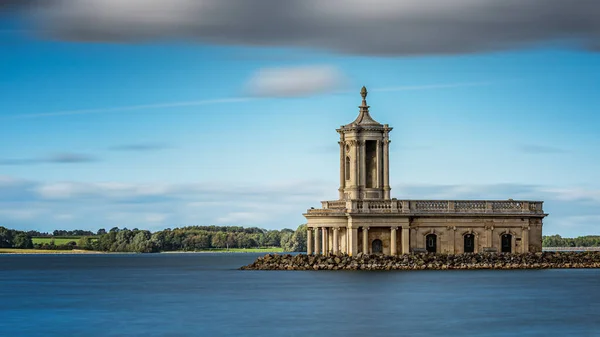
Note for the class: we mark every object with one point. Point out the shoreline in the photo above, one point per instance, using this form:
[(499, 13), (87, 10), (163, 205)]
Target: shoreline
[(15, 251), (469, 261)]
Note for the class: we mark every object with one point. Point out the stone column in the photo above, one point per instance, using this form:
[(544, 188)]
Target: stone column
[(490, 238), (525, 238), (393, 249), (317, 241), (309, 242), (342, 170), (336, 247), (405, 240), (352, 241), (356, 163), (366, 240), (324, 230), (379, 168), (363, 164), (386, 169)]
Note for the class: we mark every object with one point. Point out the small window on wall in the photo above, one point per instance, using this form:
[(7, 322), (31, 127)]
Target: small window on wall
[(347, 168)]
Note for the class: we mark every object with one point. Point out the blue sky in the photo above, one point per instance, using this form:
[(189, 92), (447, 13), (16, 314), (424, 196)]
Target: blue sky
[(153, 131)]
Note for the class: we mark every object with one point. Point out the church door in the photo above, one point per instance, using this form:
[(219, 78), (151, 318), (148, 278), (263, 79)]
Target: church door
[(506, 243), (431, 243), (377, 246), (469, 243)]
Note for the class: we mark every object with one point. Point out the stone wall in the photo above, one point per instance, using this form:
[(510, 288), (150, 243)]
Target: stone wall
[(428, 261)]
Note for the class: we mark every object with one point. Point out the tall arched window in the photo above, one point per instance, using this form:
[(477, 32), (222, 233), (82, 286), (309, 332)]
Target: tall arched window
[(347, 168)]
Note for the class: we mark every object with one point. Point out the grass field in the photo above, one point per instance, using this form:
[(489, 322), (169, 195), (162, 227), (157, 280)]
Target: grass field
[(58, 240), (42, 251)]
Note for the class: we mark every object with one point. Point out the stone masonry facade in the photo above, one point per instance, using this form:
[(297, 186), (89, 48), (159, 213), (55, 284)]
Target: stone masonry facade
[(366, 219)]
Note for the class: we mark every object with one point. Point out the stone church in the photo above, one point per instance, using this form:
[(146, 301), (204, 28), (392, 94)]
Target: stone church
[(366, 219)]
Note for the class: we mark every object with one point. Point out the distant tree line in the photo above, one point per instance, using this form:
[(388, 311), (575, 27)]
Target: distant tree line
[(191, 238), (10, 238), (581, 241), (195, 238)]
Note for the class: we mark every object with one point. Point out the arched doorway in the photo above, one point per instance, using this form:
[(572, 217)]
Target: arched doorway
[(431, 243), (506, 243), (469, 243), (377, 246)]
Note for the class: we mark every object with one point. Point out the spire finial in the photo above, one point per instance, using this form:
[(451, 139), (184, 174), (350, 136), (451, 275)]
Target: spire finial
[(363, 93)]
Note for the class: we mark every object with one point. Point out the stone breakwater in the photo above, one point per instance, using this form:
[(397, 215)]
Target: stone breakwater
[(361, 261)]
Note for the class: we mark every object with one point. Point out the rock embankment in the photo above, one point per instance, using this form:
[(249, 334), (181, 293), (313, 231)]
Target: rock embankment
[(427, 261)]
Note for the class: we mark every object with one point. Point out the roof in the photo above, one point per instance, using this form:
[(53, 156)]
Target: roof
[(364, 118)]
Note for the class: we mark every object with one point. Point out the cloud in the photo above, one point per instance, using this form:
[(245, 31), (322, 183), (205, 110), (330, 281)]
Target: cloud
[(132, 107), (295, 81), (47, 206), (539, 149), (376, 27), (140, 147), (59, 158)]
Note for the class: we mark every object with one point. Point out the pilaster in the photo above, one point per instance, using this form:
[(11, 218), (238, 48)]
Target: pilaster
[(405, 240), (393, 249)]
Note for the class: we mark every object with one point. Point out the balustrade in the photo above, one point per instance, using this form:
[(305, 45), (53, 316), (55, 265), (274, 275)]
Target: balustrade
[(429, 206)]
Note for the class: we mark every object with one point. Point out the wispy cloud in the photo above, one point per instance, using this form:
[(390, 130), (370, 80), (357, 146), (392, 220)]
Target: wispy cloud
[(134, 107), (23, 204), (433, 86), (140, 147), (267, 88), (59, 158), (540, 149)]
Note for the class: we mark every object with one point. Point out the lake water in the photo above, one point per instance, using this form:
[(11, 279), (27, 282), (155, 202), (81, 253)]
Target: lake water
[(205, 295)]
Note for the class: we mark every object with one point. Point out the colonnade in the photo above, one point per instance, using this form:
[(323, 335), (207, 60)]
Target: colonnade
[(317, 240)]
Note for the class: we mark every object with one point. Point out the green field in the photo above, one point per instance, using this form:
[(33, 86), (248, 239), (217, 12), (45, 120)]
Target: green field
[(58, 240), (42, 251)]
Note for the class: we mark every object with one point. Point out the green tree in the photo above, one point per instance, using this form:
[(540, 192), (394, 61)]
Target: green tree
[(22, 241)]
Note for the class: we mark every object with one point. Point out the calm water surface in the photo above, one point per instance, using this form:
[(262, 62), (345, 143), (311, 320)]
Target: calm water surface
[(204, 295)]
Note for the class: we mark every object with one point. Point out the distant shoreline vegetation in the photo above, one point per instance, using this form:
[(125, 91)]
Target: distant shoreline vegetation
[(189, 239), (184, 239)]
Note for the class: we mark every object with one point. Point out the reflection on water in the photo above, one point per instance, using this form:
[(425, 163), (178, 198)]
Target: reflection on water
[(205, 295)]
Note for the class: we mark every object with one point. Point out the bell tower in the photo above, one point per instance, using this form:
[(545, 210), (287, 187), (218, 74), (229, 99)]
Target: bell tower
[(364, 157)]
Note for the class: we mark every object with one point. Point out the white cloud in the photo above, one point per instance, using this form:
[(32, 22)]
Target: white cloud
[(295, 81), (71, 205)]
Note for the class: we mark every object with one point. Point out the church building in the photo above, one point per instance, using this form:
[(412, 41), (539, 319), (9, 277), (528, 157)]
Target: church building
[(366, 219)]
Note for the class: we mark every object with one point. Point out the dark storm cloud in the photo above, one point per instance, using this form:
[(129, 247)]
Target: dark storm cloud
[(377, 27)]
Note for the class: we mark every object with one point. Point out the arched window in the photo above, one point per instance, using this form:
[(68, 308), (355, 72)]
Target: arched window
[(347, 168)]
